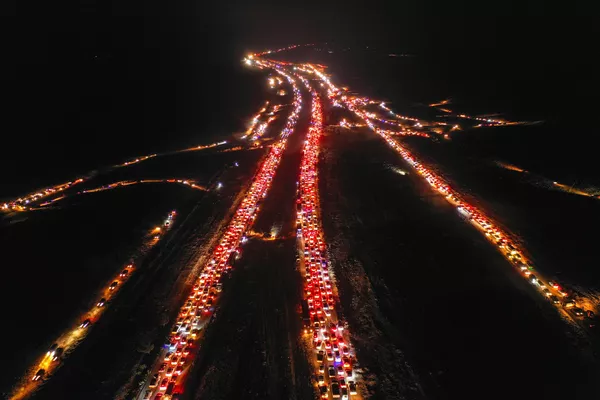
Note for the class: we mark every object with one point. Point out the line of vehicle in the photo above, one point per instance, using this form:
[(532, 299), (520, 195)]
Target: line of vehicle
[(47, 364), (502, 240), (334, 355), (169, 375)]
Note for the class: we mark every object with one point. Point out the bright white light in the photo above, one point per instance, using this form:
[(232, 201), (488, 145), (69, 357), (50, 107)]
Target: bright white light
[(219, 185)]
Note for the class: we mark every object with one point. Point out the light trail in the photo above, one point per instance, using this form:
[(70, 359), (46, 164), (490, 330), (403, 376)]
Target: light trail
[(503, 241), (169, 374), (254, 120), (256, 129), (135, 161), (546, 183), (27, 202), (48, 363), (509, 167), (291, 47), (325, 331), (115, 185), (441, 103), (200, 147)]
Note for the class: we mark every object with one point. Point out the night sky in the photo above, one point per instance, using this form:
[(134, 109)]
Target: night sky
[(89, 83)]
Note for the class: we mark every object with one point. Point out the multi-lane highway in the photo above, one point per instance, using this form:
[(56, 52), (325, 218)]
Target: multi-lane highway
[(327, 338), (334, 357)]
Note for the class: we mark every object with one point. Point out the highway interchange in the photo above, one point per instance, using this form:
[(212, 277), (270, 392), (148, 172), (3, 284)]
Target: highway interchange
[(335, 368)]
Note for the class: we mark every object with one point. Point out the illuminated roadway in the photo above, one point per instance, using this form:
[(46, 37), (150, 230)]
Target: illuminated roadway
[(326, 336), (170, 372), (502, 240)]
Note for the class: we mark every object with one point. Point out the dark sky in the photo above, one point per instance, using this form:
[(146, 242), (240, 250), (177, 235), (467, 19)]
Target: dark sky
[(88, 82)]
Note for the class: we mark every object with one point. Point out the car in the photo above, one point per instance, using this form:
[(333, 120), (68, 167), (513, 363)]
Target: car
[(178, 370), (578, 311), (320, 356), (342, 382), (101, 302), (52, 349), (344, 393), (163, 384), (113, 285), (329, 356), (546, 292), (147, 394), (153, 381), (346, 361), (338, 357), (335, 390), (352, 387), (324, 390), (39, 374), (340, 370), (59, 351), (541, 284), (170, 388), (554, 299), (169, 372), (85, 323), (163, 367), (321, 368), (569, 303), (321, 379), (331, 372)]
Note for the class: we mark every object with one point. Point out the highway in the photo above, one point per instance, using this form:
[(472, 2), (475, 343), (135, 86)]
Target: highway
[(256, 301), (334, 356), (172, 367), (502, 240)]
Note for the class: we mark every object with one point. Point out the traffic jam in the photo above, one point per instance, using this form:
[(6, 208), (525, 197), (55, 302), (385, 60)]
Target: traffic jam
[(26, 202), (167, 379), (70, 339), (110, 186), (334, 357), (553, 291)]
